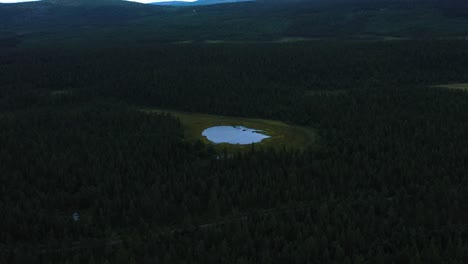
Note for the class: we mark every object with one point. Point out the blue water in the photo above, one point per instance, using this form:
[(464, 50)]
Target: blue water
[(233, 135)]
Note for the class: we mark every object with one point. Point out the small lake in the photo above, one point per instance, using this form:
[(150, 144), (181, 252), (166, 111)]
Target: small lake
[(233, 135)]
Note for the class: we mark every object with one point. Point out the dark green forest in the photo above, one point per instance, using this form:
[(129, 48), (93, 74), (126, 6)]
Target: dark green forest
[(386, 183)]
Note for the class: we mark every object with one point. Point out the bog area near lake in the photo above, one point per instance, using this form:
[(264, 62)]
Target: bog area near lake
[(238, 133)]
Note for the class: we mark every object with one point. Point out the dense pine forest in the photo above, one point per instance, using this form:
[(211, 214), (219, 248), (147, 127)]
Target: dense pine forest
[(88, 176), (386, 184)]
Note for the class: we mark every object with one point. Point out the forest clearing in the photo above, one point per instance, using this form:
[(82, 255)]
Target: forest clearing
[(282, 134)]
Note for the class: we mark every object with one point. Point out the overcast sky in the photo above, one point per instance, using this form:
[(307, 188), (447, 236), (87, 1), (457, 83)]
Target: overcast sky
[(141, 1), (153, 1), (14, 1)]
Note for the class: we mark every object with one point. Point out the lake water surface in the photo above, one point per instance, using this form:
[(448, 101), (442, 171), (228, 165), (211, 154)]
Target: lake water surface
[(233, 135)]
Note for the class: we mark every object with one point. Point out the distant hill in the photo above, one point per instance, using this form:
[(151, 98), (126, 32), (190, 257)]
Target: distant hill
[(260, 20), (68, 15), (199, 2)]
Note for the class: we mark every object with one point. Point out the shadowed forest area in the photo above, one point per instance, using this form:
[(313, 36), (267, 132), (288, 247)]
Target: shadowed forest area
[(385, 183)]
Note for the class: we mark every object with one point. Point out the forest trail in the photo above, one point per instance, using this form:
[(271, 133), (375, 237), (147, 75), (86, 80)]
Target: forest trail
[(76, 246)]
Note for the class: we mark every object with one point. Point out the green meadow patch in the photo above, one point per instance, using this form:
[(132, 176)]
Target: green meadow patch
[(281, 134), (454, 86), (60, 93)]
